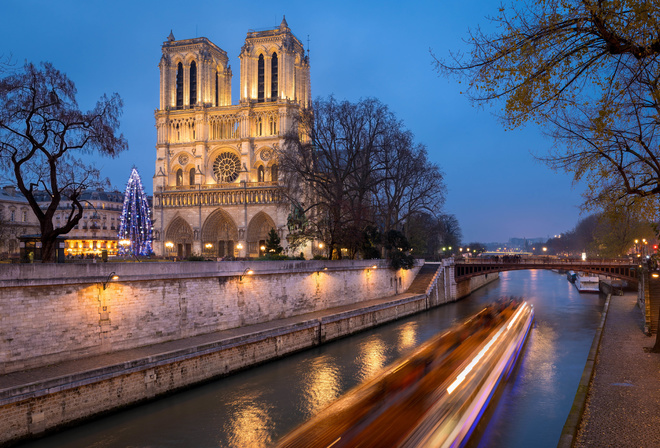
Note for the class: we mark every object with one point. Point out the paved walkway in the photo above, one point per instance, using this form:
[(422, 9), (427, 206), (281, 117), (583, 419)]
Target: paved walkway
[(18, 383), (623, 402)]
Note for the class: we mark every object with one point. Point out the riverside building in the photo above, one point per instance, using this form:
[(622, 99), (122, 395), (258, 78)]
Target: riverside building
[(216, 188)]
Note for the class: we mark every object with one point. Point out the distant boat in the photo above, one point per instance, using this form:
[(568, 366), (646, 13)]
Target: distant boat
[(587, 283), (571, 276)]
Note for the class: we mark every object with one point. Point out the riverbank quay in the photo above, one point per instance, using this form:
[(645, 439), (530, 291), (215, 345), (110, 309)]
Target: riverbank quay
[(35, 401), (623, 399), (55, 395)]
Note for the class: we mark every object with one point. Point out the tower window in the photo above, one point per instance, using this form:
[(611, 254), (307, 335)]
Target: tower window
[(273, 77), (260, 79), (193, 83), (179, 86), (216, 88)]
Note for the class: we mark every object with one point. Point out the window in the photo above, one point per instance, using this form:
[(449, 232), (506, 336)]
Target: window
[(260, 79), (260, 174), (273, 77), (193, 83), (179, 177), (216, 88), (192, 176), (272, 121), (179, 86), (12, 216), (260, 127), (24, 216), (273, 173)]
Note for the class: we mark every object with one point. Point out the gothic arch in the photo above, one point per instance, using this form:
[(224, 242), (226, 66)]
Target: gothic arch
[(258, 230), (219, 235), (219, 226), (179, 231)]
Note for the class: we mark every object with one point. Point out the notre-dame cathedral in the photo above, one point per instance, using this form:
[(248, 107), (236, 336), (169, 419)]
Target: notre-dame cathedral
[(216, 179)]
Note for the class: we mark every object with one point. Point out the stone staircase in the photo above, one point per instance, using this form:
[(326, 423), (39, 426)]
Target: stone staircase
[(423, 279)]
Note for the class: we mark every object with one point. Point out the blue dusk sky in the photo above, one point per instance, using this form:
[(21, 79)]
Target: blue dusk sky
[(358, 49)]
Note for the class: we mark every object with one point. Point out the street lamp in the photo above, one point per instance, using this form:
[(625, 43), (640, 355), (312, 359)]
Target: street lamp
[(111, 276), (124, 243), (247, 271)]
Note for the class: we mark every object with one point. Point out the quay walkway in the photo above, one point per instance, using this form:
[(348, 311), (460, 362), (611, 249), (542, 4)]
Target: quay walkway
[(623, 399)]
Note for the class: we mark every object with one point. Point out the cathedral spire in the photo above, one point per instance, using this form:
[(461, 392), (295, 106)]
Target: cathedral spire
[(170, 38), (284, 25)]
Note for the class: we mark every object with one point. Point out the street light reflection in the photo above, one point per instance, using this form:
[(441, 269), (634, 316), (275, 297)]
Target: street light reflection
[(372, 357), (321, 384)]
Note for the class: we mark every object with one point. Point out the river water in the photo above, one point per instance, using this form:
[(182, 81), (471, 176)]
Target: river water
[(254, 408)]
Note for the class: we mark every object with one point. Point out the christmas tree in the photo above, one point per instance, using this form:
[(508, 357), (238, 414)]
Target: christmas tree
[(135, 226)]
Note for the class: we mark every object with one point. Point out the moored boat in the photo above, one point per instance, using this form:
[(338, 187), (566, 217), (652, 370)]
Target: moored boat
[(435, 396), (587, 283)]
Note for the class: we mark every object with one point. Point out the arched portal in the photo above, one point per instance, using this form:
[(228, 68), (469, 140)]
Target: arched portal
[(219, 235), (180, 234), (257, 233)]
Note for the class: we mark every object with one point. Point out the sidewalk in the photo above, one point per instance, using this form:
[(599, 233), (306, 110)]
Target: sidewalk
[(623, 402)]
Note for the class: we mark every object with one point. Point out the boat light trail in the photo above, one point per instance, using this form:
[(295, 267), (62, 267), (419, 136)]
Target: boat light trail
[(474, 362)]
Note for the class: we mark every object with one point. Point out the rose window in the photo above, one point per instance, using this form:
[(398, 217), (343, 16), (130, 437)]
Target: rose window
[(226, 167)]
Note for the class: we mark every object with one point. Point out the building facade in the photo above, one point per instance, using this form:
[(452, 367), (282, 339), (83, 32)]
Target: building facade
[(98, 228), (16, 220), (216, 178)]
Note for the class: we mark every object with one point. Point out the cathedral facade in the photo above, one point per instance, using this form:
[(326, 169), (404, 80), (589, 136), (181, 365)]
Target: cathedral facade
[(216, 188)]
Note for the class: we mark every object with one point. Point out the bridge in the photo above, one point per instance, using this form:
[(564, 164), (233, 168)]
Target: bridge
[(624, 269), (647, 282)]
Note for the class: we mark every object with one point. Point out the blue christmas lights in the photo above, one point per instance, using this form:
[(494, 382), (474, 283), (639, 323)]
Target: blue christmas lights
[(135, 225)]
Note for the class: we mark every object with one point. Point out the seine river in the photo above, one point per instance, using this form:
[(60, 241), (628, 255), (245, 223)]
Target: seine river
[(256, 407)]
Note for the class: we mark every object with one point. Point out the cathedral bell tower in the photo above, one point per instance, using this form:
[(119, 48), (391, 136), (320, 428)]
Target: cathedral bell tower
[(274, 67), (193, 72)]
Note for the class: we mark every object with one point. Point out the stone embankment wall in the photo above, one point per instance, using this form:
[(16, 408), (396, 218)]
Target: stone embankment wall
[(53, 313), (56, 313)]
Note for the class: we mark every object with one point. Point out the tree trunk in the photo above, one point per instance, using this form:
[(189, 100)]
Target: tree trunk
[(48, 249)]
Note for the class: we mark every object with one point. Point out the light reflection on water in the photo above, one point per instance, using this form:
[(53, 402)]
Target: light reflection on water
[(321, 384), (254, 408), (249, 422), (371, 358), (407, 336)]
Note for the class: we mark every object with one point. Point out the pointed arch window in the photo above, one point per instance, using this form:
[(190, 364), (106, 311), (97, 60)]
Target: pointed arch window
[(179, 177), (273, 77), (193, 83), (273, 173), (260, 79), (192, 176), (216, 89), (179, 86), (260, 174)]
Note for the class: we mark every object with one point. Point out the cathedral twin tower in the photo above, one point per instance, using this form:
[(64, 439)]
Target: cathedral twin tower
[(215, 187)]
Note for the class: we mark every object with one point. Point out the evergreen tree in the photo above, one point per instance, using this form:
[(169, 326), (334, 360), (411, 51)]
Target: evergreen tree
[(135, 225), (273, 243)]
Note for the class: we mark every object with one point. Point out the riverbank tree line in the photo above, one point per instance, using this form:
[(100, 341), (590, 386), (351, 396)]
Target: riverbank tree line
[(362, 185)]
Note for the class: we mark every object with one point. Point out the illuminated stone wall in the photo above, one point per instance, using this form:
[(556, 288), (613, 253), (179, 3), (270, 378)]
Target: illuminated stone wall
[(53, 313)]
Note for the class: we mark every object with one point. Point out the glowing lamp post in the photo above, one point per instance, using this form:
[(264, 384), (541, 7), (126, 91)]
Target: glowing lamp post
[(125, 245), (169, 246)]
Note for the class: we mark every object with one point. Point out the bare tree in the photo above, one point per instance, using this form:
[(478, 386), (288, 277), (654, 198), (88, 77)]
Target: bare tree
[(325, 165), (41, 131), (587, 71), (355, 167)]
